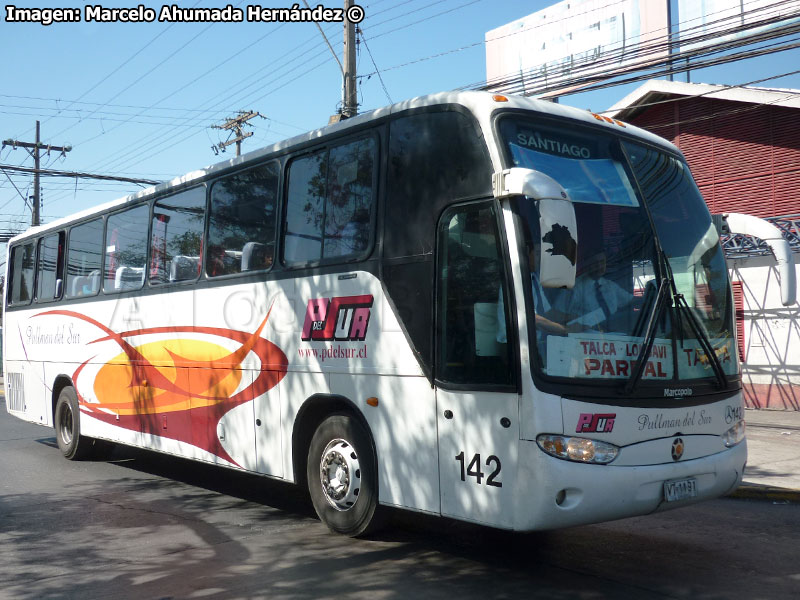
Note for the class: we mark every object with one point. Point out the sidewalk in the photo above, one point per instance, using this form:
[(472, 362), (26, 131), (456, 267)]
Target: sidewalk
[(773, 456)]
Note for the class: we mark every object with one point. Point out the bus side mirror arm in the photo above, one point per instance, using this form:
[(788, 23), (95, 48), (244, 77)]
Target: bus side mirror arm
[(557, 222), (526, 182), (750, 225)]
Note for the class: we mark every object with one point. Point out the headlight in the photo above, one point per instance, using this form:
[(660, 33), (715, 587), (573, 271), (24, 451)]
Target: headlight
[(577, 449), (734, 435)]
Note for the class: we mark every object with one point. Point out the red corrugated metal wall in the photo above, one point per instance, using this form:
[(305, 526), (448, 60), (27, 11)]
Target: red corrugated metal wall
[(744, 157)]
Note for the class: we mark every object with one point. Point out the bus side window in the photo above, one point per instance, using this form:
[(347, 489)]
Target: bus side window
[(50, 269), (22, 271), (435, 159), (330, 203), (470, 286), (84, 255), (241, 221), (348, 211), (126, 249), (177, 239)]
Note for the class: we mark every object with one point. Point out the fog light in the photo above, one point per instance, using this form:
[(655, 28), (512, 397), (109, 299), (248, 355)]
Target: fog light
[(577, 449), (734, 435)]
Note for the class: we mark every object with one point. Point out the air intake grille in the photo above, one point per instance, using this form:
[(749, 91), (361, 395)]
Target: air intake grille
[(16, 391)]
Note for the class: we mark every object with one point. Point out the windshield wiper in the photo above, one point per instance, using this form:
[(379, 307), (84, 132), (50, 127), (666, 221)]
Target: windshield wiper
[(680, 304), (705, 343), (650, 334), (666, 285), (663, 270)]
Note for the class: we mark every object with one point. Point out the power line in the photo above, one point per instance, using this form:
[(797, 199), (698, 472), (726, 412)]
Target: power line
[(23, 196), (100, 104), (78, 174), (325, 37), (150, 71), (118, 94), (236, 125), (416, 10), (34, 149), (137, 151), (144, 141), (720, 23), (482, 42), (750, 106), (711, 62), (80, 118), (716, 91), (263, 84), (149, 141), (380, 77), (530, 83), (151, 146), (407, 25)]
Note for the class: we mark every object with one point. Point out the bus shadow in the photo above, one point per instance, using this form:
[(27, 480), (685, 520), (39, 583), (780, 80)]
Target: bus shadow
[(160, 526), (261, 490), (51, 442)]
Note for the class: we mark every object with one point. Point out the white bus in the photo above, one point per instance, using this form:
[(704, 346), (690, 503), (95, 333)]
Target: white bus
[(496, 309)]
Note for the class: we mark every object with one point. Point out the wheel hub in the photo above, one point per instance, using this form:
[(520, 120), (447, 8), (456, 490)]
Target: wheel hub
[(66, 425), (340, 474)]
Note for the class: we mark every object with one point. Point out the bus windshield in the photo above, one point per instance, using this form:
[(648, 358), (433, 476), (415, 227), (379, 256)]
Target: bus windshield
[(633, 204)]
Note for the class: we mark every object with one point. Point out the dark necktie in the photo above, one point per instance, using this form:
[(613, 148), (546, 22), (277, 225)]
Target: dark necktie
[(601, 301)]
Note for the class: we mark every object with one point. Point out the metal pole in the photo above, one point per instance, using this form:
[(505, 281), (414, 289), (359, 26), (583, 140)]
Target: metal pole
[(350, 108), (35, 147), (36, 195)]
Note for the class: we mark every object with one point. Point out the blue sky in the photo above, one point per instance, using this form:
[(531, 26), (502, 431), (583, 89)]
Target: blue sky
[(138, 99)]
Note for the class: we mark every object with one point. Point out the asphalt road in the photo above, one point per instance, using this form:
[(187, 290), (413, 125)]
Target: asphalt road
[(142, 525)]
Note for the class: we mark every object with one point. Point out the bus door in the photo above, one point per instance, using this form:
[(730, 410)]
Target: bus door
[(478, 438), (476, 397)]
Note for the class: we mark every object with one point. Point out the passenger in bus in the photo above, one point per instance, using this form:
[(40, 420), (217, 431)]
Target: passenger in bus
[(255, 256), (596, 299), (546, 302), (216, 261)]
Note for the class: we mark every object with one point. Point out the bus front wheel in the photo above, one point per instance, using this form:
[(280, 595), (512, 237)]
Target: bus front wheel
[(342, 476), (72, 444)]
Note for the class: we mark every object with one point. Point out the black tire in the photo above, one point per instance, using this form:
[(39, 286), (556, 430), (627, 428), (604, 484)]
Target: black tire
[(342, 476), (72, 444)]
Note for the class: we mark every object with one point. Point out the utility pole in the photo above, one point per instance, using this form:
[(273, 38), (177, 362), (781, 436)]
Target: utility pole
[(350, 100), (236, 124), (33, 150)]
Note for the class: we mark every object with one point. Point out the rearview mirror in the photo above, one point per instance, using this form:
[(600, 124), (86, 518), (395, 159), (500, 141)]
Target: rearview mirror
[(557, 223)]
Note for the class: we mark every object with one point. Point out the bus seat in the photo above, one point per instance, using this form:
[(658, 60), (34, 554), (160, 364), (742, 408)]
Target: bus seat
[(94, 282), (77, 285), (254, 256), (129, 278), (184, 267)]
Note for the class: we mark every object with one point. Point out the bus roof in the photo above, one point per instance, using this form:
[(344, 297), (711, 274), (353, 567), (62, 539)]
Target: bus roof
[(481, 104)]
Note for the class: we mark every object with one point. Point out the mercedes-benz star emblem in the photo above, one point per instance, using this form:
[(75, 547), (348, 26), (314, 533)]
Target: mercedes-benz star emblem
[(677, 448)]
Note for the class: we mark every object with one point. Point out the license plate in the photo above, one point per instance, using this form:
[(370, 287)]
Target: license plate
[(680, 489)]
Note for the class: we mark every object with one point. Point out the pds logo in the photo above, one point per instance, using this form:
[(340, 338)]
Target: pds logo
[(343, 318), (595, 423)]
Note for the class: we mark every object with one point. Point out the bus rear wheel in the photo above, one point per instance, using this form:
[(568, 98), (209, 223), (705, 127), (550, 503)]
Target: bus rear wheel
[(342, 476), (72, 444)]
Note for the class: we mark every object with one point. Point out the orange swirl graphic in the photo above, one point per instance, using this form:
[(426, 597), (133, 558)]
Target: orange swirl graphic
[(177, 387)]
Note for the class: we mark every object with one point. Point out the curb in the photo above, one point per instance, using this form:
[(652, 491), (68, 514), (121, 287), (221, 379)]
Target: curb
[(754, 491)]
